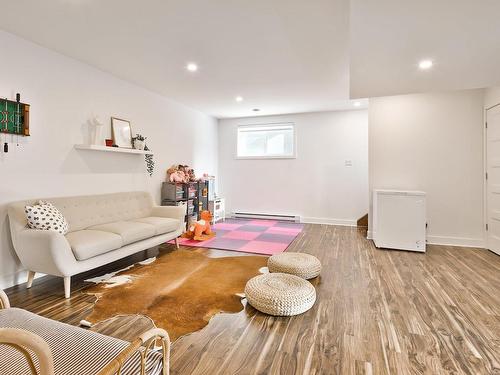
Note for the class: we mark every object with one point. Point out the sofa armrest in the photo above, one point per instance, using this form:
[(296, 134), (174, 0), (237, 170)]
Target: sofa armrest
[(23, 341), (173, 212), (45, 251)]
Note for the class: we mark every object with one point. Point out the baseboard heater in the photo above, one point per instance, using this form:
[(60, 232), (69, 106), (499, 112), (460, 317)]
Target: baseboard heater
[(254, 215)]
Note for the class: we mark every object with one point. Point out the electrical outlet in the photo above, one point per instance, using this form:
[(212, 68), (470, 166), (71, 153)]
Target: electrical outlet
[(348, 163)]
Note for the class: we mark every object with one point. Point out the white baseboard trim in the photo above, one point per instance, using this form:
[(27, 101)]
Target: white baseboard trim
[(456, 241), (328, 221), (369, 235), (6, 281)]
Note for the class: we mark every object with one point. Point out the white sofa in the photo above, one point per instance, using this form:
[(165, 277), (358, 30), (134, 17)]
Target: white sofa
[(102, 229)]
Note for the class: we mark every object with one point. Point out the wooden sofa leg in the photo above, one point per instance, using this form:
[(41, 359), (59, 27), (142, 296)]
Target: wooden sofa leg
[(31, 276), (177, 242), (67, 286)]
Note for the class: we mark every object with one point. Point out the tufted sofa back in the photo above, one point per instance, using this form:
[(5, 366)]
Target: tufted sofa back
[(84, 211)]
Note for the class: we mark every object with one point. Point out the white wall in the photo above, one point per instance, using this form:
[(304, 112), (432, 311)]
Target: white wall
[(433, 142), (316, 185), (64, 94), (491, 96)]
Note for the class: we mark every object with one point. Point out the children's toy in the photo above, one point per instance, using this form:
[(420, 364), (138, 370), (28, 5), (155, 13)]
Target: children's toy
[(181, 173), (200, 230), (192, 176), (176, 175)]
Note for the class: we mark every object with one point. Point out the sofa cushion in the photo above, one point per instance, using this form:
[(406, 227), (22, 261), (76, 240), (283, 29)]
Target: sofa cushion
[(86, 243), (130, 231), (161, 224)]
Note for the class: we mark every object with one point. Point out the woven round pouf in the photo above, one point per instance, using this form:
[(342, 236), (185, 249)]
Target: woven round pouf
[(280, 294), (299, 264)]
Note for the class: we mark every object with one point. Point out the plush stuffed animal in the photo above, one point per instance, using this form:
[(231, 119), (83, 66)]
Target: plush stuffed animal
[(185, 170), (181, 174), (177, 177), (200, 230), (192, 176), (171, 170), (174, 174)]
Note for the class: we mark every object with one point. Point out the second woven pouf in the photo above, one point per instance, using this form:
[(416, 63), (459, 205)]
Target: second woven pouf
[(280, 294), (299, 264)]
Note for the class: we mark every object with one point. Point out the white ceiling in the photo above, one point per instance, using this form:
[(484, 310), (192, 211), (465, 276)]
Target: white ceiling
[(389, 37), (282, 56)]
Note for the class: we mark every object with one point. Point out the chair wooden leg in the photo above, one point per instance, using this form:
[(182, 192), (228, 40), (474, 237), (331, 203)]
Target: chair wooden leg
[(177, 242), (67, 286), (31, 276)]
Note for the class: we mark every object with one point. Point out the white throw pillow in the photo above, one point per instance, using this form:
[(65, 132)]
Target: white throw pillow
[(45, 216)]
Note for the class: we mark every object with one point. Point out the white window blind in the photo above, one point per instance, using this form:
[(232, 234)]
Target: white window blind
[(266, 141)]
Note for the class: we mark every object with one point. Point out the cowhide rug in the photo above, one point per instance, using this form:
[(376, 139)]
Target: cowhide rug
[(179, 291)]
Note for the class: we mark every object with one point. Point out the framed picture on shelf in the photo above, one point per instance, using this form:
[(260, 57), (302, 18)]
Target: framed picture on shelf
[(122, 132)]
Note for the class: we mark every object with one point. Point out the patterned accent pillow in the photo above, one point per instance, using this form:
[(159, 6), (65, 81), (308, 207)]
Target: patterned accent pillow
[(45, 216)]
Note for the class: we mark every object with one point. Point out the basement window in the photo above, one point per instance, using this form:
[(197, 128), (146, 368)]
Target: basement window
[(266, 141)]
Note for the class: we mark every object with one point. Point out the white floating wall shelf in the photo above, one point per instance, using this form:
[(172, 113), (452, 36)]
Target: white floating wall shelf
[(113, 149)]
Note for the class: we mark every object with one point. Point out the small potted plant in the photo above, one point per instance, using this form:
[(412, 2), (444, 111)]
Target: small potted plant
[(139, 142)]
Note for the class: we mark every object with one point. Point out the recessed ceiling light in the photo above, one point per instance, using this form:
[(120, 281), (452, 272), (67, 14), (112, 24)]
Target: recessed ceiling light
[(425, 64), (239, 98), (192, 67), (256, 109), (357, 104)]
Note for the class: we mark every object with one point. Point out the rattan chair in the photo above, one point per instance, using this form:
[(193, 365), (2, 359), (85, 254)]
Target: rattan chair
[(66, 349)]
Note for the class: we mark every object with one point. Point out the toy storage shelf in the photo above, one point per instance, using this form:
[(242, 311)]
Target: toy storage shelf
[(113, 149), (192, 194)]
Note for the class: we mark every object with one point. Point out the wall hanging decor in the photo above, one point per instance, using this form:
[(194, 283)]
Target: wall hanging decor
[(14, 120), (150, 163), (139, 143)]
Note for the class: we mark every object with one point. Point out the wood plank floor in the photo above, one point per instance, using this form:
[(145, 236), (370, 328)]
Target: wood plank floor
[(377, 312)]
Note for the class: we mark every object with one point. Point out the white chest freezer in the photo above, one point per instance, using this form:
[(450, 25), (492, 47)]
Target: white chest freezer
[(399, 219)]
